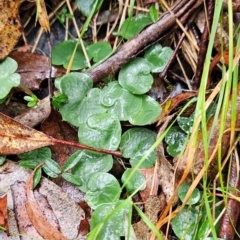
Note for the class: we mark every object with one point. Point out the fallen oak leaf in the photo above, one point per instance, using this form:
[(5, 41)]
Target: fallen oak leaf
[(16, 138), (47, 231), (3, 214)]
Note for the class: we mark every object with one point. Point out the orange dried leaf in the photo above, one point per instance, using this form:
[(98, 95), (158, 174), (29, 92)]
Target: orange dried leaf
[(42, 15), (3, 213), (46, 230), (16, 138)]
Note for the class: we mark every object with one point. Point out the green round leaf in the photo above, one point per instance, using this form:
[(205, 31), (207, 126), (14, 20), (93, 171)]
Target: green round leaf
[(158, 57), (102, 188), (186, 123), (182, 191), (135, 143), (8, 79), (114, 225), (150, 110), (85, 163), (101, 131), (135, 76), (204, 224), (136, 182), (85, 7), (184, 224), (133, 25), (62, 54), (2, 159), (175, 138), (98, 51), (75, 86), (89, 106), (120, 102), (72, 179)]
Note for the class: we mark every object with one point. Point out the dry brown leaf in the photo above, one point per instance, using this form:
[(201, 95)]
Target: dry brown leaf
[(46, 230), (10, 26), (42, 15), (16, 138), (67, 212), (34, 68), (24, 224), (3, 213), (152, 183)]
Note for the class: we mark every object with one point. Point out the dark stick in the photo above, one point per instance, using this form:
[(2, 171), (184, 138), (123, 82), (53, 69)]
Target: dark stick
[(182, 9), (204, 45)]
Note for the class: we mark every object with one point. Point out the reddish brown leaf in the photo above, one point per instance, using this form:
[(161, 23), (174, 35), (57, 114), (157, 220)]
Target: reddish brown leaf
[(3, 213), (151, 184), (25, 226), (46, 230), (84, 226), (34, 68), (16, 138), (172, 103)]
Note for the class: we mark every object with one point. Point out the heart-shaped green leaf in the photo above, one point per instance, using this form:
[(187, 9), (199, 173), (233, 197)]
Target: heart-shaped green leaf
[(98, 51), (149, 111), (158, 57), (175, 138), (8, 77), (133, 25), (135, 142), (135, 76), (186, 123), (195, 197), (101, 131), (136, 182), (102, 188), (114, 225), (89, 106), (188, 217), (63, 52), (75, 86), (85, 163), (120, 101)]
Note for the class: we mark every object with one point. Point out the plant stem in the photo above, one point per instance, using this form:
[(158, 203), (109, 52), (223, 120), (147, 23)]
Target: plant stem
[(82, 146)]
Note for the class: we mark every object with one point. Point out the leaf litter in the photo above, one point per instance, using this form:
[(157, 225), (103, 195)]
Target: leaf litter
[(12, 134)]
